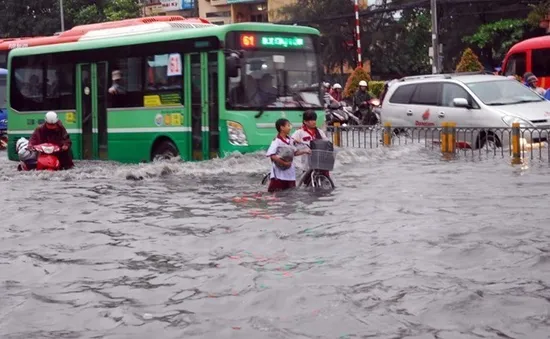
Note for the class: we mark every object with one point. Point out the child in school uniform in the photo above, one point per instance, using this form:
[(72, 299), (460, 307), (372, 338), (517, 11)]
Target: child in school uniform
[(282, 152), (308, 133)]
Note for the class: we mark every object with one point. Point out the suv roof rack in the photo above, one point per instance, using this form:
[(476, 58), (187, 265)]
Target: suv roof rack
[(442, 75)]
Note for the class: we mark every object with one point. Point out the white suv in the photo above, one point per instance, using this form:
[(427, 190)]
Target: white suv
[(471, 101)]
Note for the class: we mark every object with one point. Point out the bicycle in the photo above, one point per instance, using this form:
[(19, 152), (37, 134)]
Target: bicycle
[(321, 160)]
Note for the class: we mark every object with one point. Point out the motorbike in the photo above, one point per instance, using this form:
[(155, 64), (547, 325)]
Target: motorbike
[(353, 119), (376, 107), (368, 112), (340, 112), (46, 160)]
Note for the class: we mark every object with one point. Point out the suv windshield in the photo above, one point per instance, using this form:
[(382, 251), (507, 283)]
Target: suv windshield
[(282, 76), (503, 92)]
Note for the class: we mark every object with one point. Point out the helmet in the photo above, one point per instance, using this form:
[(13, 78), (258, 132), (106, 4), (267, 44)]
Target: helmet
[(287, 154), (309, 115), (51, 117), (20, 144), (337, 86), (363, 83)]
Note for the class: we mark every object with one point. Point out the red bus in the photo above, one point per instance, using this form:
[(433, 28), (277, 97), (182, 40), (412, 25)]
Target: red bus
[(531, 55), (76, 32)]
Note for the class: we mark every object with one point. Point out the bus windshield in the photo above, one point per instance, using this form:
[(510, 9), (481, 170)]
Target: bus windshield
[(271, 78)]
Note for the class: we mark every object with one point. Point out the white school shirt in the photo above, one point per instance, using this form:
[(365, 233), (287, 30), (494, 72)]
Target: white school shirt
[(276, 172), (302, 136)]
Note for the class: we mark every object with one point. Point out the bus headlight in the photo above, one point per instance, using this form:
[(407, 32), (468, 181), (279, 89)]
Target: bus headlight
[(236, 134)]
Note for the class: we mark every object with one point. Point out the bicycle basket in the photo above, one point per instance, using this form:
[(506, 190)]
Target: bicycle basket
[(321, 144), (321, 160)]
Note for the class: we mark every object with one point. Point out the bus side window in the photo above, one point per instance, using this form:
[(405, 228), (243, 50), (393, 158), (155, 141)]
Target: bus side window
[(42, 84), (516, 65), (164, 77), (130, 82), (60, 86), (541, 62), (27, 84)]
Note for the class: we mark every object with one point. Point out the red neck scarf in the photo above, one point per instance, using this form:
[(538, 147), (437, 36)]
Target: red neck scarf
[(309, 131), (286, 141)]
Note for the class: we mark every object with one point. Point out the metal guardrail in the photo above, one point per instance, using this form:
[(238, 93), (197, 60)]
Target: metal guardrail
[(451, 140)]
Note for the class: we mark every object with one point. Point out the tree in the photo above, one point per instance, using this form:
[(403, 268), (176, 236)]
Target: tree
[(395, 35), (539, 13), (353, 81), (406, 53), (41, 17), (22, 18), (107, 10), (497, 37), (469, 62)]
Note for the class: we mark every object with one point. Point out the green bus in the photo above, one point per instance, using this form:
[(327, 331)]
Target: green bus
[(193, 91)]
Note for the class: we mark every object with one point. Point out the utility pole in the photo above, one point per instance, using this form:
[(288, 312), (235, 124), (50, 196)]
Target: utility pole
[(358, 33), (435, 38), (62, 16)]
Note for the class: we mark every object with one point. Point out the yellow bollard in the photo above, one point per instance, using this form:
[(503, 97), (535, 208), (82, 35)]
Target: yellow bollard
[(451, 138), (336, 137), (387, 133), (443, 138), (516, 145)]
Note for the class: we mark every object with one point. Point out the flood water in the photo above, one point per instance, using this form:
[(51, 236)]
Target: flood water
[(407, 246)]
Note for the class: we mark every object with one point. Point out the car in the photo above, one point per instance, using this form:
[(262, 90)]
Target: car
[(479, 104)]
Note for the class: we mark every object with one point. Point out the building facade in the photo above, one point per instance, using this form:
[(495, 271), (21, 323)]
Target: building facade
[(225, 11), (217, 11)]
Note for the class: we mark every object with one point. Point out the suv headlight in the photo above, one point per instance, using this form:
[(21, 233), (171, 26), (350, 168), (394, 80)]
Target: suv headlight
[(236, 134), (510, 119)]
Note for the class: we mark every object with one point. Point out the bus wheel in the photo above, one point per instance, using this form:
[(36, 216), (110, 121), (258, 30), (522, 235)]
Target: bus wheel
[(166, 150)]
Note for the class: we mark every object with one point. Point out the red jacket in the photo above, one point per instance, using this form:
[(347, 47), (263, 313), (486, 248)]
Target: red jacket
[(43, 134)]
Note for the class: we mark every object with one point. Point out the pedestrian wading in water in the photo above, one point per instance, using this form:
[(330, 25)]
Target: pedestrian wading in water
[(282, 152)]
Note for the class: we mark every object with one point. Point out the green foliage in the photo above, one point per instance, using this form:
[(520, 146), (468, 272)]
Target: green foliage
[(376, 88), (102, 11), (122, 9), (499, 36), (538, 13), (469, 62), (402, 47), (353, 81), (42, 17)]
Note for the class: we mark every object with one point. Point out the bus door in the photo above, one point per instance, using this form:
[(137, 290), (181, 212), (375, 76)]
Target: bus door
[(92, 80), (204, 105)]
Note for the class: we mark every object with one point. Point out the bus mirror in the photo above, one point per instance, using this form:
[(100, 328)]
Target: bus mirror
[(232, 65)]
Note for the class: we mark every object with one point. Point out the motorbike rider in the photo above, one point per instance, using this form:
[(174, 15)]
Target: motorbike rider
[(336, 92), (360, 99), (306, 134), (52, 131), (531, 81), (26, 155), (361, 95), (326, 95)]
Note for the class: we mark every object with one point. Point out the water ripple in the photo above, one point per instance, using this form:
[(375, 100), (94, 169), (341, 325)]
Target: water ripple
[(407, 246)]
